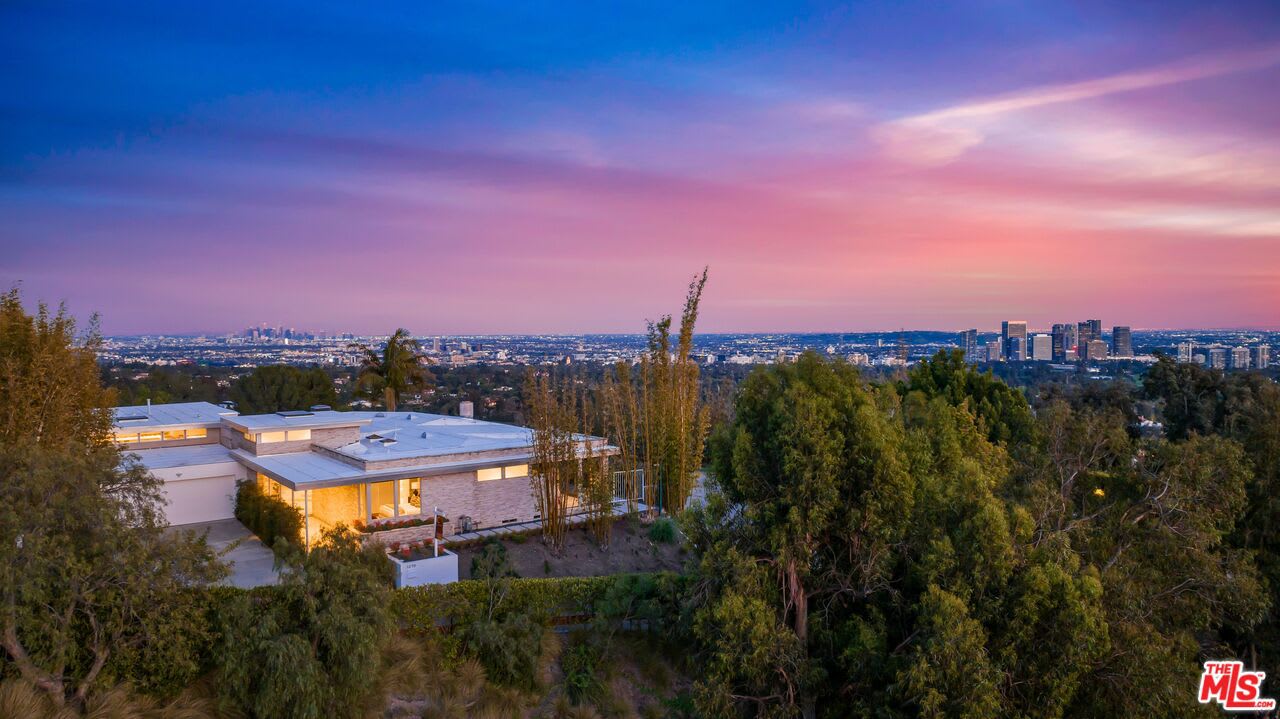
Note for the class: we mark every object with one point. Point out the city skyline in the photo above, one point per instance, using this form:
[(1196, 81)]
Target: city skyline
[(555, 169)]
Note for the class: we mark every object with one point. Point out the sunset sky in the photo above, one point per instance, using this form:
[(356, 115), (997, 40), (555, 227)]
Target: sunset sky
[(567, 168)]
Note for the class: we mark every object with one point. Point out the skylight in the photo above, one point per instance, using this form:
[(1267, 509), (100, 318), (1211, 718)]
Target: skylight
[(295, 413)]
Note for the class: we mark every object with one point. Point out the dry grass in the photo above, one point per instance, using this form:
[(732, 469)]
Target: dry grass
[(20, 700)]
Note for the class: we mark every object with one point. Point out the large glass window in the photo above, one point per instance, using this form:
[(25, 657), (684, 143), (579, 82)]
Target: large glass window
[(271, 437), (173, 434), (337, 505), (295, 435), (150, 436), (382, 499), (485, 475), (199, 433), (513, 471), (410, 496)]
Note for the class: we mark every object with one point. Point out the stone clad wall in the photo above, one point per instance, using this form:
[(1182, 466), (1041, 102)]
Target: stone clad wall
[(487, 503)]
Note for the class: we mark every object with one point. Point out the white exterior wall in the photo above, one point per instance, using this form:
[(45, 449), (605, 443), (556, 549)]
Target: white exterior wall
[(200, 493), (433, 570)]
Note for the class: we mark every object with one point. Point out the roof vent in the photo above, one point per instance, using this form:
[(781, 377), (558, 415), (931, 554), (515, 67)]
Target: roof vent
[(294, 413)]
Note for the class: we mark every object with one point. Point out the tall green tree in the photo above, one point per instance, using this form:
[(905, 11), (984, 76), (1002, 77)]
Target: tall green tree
[(1002, 410), (92, 588), (860, 561), (394, 370), (1244, 407), (276, 388)]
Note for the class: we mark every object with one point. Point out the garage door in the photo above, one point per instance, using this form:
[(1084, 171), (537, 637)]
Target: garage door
[(200, 500)]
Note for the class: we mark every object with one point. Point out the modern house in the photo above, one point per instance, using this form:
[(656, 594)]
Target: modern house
[(338, 467)]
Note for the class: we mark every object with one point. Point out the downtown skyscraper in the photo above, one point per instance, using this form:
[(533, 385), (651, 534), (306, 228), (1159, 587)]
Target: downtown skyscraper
[(1013, 336)]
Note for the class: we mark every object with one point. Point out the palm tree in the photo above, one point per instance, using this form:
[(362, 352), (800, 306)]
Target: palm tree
[(398, 369)]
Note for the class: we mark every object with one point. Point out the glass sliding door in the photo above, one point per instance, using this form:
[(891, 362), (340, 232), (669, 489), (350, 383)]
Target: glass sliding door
[(382, 499)]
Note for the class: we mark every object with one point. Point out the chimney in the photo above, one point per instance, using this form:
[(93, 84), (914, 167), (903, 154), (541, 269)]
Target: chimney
[(466, 408), (148, 406)]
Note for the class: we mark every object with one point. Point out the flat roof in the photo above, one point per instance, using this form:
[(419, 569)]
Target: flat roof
[(298, 420), (312, 470), (176, 414), (189, 456), (403, 435)]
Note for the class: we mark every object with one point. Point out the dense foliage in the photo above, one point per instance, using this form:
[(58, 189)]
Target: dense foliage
[(277, 388), (270, 518), (929, 548), (93, 589), (312, 648)]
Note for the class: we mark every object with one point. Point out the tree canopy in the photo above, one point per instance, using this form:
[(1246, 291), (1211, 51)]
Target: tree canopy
[(930, 548), (93, 589), (277, 388), (398, 368)]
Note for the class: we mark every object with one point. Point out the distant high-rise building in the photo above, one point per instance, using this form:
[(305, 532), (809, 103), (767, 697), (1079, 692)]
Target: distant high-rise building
[(1093, 350), (1063, 341), (1261, 357), (1217, 357), (1240, 358), (1018, 349), (995, 351), (1121, 342), (1042, 348), (969, 343), (1010, 331), (1184, 351), (1086, 332)]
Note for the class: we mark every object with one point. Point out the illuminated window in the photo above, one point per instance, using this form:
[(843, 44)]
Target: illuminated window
[(150, 437), (248, 436), (512, 471), (270, 437), (126, 438), (485, 475), (299, 434), (172, 434), (197, 433)]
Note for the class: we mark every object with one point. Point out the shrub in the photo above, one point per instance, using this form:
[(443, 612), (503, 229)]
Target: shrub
[(663, 531), (581, 680), (267, 517), (305, 649), (491, 562), (509, 648)]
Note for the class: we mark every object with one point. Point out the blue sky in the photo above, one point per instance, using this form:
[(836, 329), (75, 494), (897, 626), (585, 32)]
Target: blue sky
[(565, 167)]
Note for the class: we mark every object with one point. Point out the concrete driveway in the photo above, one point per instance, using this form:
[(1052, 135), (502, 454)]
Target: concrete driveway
[(252, 563)]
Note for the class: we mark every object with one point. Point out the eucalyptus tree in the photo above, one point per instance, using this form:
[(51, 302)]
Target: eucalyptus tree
[(859, 560), (394, 370)]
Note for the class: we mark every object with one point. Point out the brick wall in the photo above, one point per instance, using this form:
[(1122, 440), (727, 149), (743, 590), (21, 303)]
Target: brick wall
[(487, 503)]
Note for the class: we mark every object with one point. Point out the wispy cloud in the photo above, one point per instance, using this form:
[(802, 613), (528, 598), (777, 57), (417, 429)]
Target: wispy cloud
[(942, 135)]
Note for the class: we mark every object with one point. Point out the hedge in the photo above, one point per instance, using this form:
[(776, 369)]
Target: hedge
[(634, 600), (267, 517)]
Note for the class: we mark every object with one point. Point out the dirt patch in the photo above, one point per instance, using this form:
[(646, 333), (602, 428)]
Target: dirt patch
[(629, 550)]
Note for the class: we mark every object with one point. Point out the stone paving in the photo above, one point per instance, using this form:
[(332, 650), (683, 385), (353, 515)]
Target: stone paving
[(252, 563)]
